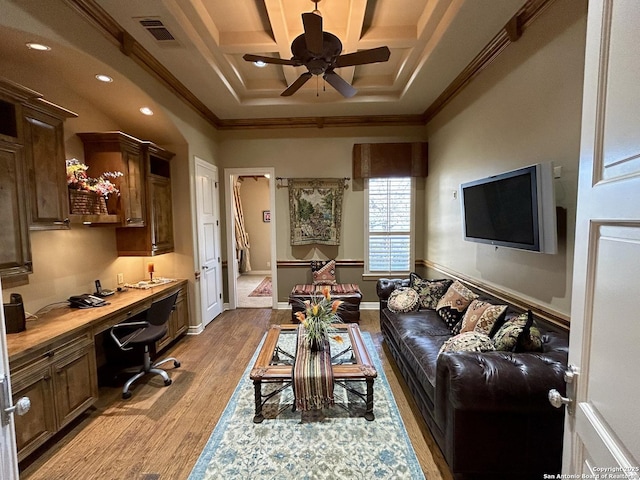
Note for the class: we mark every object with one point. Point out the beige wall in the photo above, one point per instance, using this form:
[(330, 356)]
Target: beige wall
[(311, 153), (254, 194), (523, 109)]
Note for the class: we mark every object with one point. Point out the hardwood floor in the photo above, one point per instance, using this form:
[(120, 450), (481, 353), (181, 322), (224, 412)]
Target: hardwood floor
[(159, 432)]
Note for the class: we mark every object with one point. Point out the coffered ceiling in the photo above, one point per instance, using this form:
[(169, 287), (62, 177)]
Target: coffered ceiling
[(196, 48)]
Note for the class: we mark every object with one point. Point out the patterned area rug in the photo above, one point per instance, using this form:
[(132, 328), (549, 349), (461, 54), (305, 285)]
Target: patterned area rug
[(262, 290), (335, 443)]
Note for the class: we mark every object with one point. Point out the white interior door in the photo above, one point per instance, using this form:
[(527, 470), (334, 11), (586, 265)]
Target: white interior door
[(602, 439), (8, 454), (208, 218)]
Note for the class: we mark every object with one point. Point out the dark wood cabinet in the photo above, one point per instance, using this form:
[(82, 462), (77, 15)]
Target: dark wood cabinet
[(61, 382), (118, 152), (179, 321), (15, 246), (156, 237), (48, 201), (33, 185)]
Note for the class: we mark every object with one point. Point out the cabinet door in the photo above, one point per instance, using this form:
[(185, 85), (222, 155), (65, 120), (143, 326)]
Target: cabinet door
[(15, 248), (161, 214), (37, 425), (178, 322), (181, 313), (46, 172), (75, 384), (133, 196)]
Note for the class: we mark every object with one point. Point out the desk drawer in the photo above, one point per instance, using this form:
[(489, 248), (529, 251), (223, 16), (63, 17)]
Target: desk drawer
[(107, 323)]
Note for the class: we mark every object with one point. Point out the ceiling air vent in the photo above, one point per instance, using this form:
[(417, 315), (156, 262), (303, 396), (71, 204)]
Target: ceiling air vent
[(156, 28)]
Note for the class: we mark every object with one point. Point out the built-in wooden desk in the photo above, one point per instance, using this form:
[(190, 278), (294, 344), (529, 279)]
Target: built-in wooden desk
[(53, 362)]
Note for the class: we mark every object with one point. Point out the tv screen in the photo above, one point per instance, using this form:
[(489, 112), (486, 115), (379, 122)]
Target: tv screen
[(513, 209)]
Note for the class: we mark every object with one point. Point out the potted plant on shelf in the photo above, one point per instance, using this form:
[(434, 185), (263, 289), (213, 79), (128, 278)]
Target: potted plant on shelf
[(318, 318), (87, 195)]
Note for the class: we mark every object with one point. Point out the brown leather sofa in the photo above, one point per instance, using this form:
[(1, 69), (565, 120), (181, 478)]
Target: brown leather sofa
[(489, 412)]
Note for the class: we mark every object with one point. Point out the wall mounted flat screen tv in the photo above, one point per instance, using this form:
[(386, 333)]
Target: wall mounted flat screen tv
[(514, 209)]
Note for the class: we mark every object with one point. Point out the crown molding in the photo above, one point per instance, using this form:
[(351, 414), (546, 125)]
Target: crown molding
[(322, 122), (100, 19), (510, 33)]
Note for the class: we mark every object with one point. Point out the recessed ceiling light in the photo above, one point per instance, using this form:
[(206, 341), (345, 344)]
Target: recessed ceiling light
[(146, 111), (38, 46), (104, 78), (260, 64)]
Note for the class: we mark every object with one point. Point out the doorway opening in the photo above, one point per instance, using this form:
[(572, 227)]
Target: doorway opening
[(251, 237)]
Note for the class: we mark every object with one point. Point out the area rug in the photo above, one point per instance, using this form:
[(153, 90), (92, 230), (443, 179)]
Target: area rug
[(336, 443), (262, 290)]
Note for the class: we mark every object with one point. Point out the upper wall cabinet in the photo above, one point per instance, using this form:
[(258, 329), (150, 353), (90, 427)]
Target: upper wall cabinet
[(16, 185), (156, 237), (15, 248), (119, 152), (48, 201)]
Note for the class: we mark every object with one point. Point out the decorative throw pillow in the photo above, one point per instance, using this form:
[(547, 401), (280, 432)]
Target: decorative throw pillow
[(518, 335), (403, 299), (481, 316), (323, 272), (468, 342), (430, 291), (454, 302)]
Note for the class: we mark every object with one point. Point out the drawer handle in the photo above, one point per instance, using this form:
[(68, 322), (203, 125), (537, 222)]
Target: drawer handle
[(46, 378), (49, 354)]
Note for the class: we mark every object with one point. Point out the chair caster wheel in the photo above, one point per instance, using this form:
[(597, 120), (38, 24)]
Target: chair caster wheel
[(176, 364), (126, 395), (167, 383)]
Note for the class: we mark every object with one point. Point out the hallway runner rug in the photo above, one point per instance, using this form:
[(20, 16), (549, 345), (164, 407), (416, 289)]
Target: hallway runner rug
[(262, 290), (334, 443)]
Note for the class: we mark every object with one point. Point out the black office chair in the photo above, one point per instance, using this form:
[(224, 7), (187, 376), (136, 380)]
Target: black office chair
[(145, 333)]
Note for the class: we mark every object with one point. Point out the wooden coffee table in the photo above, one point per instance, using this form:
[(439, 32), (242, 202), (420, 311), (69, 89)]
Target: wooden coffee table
[(351, 363)]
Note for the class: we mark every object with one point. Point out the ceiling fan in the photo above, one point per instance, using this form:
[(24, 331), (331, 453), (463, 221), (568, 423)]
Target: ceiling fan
[(319, 52)]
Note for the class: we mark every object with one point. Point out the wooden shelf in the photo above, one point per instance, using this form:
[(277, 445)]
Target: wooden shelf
[(95, 219)]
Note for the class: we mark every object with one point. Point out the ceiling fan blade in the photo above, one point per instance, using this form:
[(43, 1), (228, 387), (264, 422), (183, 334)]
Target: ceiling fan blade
[(373, 55), (313, 32), (278, 61), (340, 84), (295, 86)]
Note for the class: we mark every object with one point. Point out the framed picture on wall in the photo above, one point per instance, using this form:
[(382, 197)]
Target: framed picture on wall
[(266, 216)]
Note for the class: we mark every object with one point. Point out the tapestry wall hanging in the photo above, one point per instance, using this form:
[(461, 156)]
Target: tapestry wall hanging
[(315, 206)]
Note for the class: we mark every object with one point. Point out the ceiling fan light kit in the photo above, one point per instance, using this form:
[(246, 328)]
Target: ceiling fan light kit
[(320, 53)]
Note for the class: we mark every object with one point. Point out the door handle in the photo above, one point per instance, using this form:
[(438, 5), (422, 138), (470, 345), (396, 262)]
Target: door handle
[(557, 400), (21, 407), (555, 397)]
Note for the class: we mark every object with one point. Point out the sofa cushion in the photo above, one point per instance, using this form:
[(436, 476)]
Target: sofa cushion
[(403, 299), (519, 334), (429, 291), (468, 342), (481, 316), (323, 272), (454, 302)]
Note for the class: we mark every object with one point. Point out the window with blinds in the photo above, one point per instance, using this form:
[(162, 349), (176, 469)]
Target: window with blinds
[(389, 221)]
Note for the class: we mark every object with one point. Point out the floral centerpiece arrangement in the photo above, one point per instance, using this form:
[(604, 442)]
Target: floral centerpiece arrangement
[(77, 179), (318, 318)]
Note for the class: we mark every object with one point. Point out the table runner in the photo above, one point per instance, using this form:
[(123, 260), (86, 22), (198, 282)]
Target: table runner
[(312, 375)]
